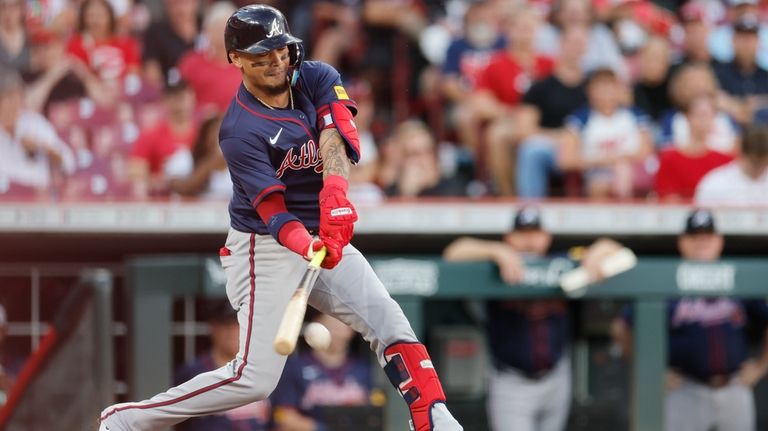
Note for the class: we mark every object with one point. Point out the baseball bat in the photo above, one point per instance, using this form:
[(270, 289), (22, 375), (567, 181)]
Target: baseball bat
[(293, 318)]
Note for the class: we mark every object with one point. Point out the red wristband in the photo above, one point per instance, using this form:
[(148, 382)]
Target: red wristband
[(295, 237)]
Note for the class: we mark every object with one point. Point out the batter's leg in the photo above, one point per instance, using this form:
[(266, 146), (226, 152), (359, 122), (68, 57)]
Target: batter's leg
[(260, 274), (352, 293)]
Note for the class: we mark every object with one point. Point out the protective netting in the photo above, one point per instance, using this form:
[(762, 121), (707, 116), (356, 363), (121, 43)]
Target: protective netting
[(56, 390)]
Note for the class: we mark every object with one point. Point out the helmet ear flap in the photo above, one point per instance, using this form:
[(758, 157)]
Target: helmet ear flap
[(296, 57)]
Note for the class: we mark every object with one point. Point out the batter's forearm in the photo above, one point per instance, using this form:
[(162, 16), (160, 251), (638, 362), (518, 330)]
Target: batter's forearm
[(334, 154)]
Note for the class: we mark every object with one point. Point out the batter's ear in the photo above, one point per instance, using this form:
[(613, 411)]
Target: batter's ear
[(234, 58)]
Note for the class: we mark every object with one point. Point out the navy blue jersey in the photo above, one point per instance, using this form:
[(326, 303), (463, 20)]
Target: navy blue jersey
[(529, 336), (276, 150), (255, 416), (706, 335), (307, 385)]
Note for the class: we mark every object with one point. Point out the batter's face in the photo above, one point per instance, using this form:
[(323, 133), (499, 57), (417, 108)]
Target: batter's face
[(267, 72)]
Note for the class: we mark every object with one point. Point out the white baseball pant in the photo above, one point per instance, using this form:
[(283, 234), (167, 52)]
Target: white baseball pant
[(261, 277)]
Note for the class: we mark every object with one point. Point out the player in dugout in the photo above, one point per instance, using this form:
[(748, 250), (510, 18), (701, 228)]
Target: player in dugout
[(530, 386), (289, 141), (710, 375)]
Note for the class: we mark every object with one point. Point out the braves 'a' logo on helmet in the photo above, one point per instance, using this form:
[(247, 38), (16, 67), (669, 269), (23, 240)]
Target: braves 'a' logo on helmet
[(275, 29)]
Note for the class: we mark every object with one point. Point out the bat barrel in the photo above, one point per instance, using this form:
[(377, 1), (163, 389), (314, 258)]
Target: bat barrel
[(293, 318)]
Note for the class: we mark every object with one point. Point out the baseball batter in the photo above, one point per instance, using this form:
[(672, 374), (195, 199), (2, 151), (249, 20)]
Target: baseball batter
[(289, 140)]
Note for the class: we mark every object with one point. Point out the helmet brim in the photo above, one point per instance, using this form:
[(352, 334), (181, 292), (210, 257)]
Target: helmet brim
[(270, 44)]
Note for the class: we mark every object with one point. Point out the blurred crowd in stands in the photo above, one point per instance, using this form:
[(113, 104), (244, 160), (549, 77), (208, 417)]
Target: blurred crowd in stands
[(601, 99)]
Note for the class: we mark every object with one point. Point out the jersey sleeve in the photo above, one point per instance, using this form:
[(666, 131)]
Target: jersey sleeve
[(333, 105), (251, 168), (324, 86)]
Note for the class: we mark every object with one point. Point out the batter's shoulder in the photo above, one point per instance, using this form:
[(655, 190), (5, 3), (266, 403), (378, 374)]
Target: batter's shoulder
[(314, 69), (316, 75)]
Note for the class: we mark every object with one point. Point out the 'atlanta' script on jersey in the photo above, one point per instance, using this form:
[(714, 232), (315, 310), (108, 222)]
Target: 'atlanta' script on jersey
[(308, 156)]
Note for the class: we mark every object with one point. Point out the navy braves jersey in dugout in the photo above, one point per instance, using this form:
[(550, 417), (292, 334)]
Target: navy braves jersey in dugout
[(307, 385), (276, 150), (706, 335), (530, 336)]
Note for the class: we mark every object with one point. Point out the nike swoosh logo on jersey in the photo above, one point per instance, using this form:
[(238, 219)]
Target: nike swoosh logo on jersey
[(274, 139)]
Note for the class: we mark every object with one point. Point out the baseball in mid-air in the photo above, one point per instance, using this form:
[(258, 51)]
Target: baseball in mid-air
[(317, 336)]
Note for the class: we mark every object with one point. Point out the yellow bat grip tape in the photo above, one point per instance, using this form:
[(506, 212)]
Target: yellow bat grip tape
[(317, 259)]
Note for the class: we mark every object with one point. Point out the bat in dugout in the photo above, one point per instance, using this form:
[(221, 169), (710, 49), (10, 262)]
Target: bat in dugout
[(575, 281)]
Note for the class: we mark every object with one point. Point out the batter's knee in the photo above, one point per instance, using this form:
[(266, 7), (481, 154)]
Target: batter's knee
[(246, 392)]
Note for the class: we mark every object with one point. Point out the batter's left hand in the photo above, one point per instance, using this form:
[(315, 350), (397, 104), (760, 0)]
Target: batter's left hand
[(337, 214)]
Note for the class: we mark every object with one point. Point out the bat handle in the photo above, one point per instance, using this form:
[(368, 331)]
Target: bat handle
[(317, 259)]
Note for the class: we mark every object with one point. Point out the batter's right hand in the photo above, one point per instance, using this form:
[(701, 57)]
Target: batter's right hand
[(334, 249)]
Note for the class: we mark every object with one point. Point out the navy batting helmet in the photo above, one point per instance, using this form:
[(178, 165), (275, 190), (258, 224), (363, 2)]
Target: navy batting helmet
[(257, 29)]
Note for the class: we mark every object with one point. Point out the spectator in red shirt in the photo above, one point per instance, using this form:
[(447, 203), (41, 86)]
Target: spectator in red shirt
[(208, 71), (162, 153), (111, 56), (510, 72), (500, 88), (682, 166)]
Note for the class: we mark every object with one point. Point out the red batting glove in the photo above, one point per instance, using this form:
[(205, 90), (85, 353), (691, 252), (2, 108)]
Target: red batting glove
[(334, 251), (337, 214)]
